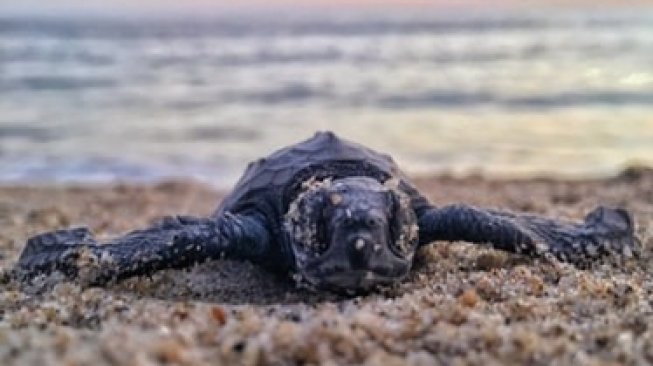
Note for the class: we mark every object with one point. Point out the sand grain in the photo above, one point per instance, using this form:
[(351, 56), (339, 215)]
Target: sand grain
[(463, 304)]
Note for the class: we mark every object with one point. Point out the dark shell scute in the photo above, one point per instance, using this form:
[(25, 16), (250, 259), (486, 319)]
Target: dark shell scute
[(272, 175)]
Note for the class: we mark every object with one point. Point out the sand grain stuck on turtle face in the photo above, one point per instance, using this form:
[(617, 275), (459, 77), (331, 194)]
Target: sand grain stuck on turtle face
[(461, 303)]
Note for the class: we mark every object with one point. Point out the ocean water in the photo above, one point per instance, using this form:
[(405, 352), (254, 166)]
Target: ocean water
[(547, 92)]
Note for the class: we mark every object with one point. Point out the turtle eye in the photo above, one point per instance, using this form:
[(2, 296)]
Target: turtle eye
[(394, 226), (321, 233), (402, 220), (306, 223)]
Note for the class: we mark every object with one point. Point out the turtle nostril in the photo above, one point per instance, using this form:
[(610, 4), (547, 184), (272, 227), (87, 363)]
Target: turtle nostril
[(371, 222)]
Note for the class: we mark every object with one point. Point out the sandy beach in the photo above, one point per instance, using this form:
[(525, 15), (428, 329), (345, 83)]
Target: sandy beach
[(463, 303)]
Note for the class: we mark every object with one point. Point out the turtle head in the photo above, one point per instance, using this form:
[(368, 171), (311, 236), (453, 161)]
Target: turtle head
[(352, 234)]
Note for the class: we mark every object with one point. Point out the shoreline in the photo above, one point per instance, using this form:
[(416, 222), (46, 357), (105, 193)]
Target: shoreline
[(420, 174), (462, 303)]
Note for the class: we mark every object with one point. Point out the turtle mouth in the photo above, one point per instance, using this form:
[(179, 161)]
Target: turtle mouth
[(351, 280)]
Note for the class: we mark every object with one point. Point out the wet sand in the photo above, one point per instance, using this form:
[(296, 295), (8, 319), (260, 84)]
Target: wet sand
[(463, 303)]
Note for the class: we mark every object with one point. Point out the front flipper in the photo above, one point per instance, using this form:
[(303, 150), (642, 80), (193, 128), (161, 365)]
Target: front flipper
[(605, 231), (175, 242)]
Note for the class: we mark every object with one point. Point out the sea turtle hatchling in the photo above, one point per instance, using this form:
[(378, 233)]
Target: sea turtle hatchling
[(331, 213)]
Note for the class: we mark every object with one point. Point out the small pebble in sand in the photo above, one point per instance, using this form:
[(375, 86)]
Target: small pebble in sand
[(469, 298), (169, 351), (218, 314)]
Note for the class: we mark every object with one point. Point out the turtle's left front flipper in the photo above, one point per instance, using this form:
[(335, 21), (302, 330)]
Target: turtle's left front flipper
[(605, 231), (175, 242)]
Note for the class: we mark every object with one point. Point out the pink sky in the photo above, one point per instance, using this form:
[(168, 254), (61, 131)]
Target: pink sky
[(55, 6), (356, 3)]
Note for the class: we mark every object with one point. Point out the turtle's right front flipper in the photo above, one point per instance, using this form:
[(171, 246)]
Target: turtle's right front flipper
[(176, 242)]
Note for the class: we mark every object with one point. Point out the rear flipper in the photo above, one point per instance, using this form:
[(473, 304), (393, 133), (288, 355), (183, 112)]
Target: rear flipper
[(176, 242), (604, 232)]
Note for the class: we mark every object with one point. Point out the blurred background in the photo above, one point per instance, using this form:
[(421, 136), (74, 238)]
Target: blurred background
[(97, 91)]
